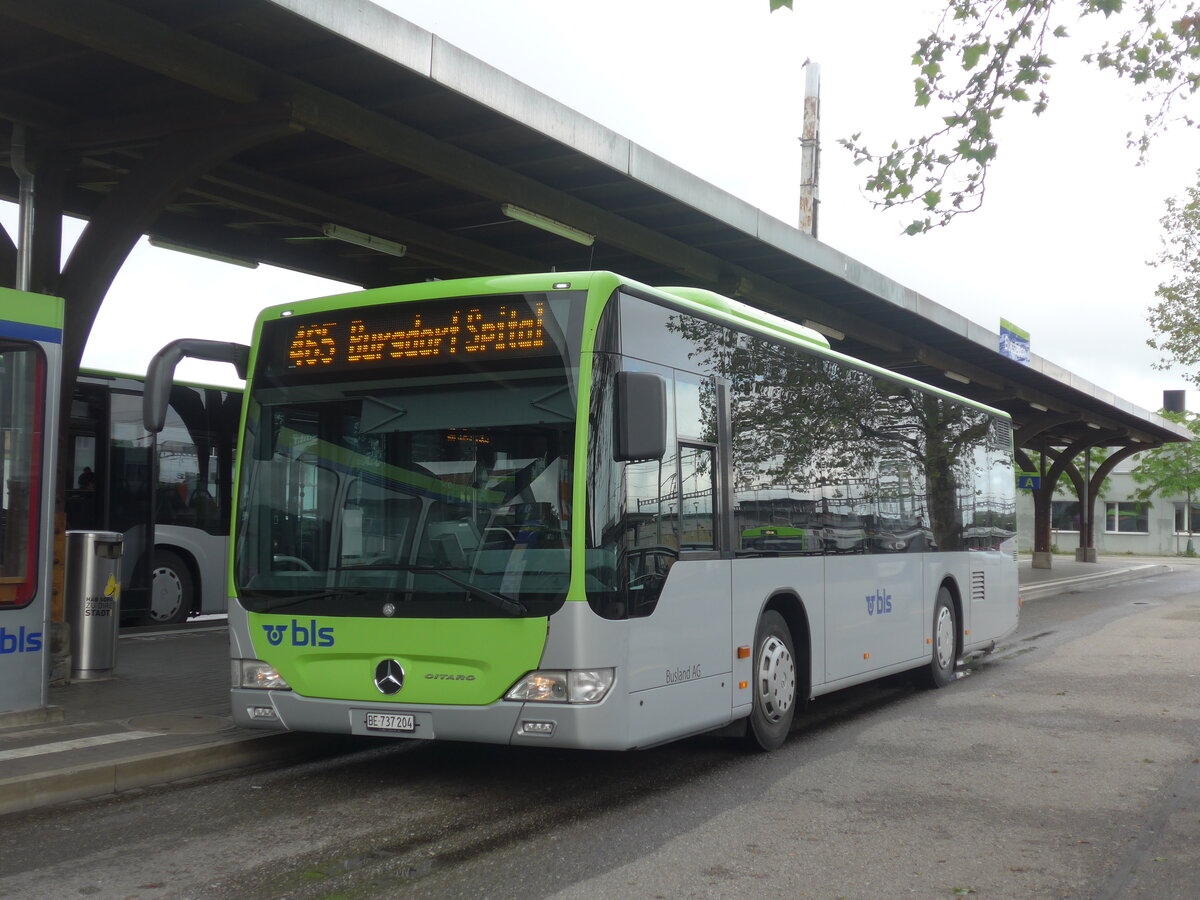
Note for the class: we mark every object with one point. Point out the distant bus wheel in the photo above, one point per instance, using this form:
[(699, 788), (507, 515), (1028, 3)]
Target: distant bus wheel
[(172, 589), (774, 683), (940, 671)]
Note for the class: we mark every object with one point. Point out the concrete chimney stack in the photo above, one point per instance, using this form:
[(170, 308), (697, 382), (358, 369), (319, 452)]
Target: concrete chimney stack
[(1174, 401)]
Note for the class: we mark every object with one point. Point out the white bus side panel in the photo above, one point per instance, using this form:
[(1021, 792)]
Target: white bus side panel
[(680, 656), (666, 713), (687, 637), (942, 567), (211, 555), (875, 607), (755, 581), (991, 597)]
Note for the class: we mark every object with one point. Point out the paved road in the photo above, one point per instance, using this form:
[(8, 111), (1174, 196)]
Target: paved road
[(1064, 767)]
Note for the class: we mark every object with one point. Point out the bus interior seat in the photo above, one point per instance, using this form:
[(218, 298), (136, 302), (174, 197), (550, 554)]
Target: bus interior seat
[(452, 543)]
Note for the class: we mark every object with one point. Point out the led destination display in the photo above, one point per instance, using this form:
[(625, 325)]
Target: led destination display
[(441, 331)]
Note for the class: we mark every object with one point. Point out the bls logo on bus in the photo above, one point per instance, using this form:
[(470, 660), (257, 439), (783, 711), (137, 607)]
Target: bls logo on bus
[(308, 635), (20, 641), (880, 602)]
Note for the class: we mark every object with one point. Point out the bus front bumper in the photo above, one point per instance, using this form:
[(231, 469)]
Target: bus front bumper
[(598, 726)]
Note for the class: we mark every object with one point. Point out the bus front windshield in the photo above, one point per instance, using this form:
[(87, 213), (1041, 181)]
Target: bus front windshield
[(428, 495)]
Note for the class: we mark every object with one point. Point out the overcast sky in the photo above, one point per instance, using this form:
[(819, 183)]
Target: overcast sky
[(716, 86)]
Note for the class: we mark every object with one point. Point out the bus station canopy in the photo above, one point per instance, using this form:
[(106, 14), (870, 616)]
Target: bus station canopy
[(282, 131)]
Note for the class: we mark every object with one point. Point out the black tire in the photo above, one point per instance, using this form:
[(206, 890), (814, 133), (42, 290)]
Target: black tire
[(940, 671), (172, 590), (774, 683)]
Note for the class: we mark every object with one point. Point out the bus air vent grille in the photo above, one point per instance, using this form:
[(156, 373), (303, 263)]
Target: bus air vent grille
[(1001, 434), (978, 587)]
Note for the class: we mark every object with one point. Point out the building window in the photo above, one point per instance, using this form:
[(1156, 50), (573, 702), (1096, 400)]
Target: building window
[(1127, 517), (1065, 516), (1187, 521)]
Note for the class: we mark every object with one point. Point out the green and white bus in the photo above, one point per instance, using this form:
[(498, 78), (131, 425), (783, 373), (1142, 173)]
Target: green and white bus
[(571, 510)]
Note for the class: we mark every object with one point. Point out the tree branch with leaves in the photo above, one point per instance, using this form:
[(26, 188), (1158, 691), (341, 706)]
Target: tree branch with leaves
[(1175, 318), (1172, 470), (987, 56)]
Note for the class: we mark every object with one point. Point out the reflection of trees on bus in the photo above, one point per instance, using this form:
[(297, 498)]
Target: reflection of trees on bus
[(827, 456), (879, 462)]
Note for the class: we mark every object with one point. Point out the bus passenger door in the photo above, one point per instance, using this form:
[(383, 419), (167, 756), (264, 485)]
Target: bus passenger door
[(679, 656)]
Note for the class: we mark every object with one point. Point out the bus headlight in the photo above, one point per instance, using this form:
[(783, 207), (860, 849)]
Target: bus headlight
[(563, 686), (254, 673)]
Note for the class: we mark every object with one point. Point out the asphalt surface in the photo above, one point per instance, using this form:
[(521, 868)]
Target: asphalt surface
[(164, 714)]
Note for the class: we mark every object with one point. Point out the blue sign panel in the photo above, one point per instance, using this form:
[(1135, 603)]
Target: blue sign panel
[(1014, 342)]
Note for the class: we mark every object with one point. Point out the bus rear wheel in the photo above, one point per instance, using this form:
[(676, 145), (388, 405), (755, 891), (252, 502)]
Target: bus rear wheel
[(940, 671), (774, 683), (172, 589)]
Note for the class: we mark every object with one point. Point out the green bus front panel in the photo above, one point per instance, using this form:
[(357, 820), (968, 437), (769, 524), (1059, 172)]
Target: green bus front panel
[(462, 662)]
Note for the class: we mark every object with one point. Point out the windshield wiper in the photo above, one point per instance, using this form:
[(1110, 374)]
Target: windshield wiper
[(505, 604), (318, 595)]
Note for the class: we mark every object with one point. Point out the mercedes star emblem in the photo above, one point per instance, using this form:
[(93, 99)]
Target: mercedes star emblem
[(389, 676)]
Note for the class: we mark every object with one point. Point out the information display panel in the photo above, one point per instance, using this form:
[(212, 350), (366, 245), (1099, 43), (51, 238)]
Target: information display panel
[(412, 335)]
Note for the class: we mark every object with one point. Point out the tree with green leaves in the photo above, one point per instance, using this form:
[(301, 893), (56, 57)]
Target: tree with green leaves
[(1172, 470), (1175, 318), (1083, 466), (986, 57)]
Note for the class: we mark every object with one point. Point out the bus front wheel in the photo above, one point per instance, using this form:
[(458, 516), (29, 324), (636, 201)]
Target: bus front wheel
[(940, 671), (774, 683), (172, 589)]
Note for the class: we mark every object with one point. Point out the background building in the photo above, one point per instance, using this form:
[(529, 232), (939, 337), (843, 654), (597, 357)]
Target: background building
[(1123, 524)]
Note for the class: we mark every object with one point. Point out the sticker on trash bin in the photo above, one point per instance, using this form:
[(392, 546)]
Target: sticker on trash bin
[(106, 606)]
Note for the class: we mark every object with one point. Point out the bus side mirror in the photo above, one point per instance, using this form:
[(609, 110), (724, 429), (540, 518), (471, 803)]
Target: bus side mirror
[(161, 373), (641, 417)]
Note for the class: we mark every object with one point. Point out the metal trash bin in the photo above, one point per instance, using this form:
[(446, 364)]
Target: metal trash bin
[(93, 601)]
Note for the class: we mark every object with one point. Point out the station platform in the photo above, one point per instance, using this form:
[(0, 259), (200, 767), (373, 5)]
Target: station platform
[(164, 715)]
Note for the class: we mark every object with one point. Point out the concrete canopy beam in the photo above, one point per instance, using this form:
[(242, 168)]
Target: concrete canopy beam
[(126, 214)]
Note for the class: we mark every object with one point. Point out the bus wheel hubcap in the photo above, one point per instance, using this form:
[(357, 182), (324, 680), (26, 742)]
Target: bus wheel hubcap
[(776, 678), (167, 593), (944, 638)]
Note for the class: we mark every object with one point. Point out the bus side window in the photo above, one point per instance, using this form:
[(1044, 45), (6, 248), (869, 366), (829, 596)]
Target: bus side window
[(81, 497), (697, 528), (650, 541), (648, 568)]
